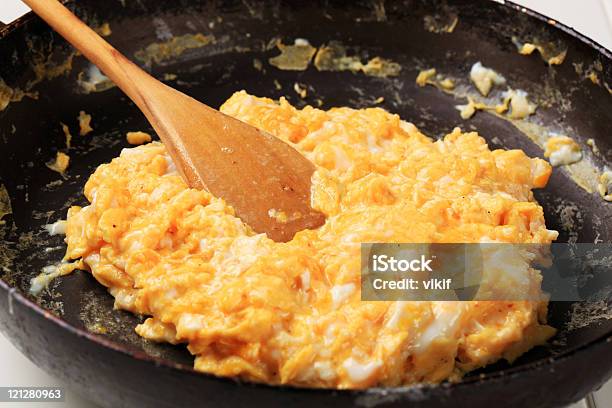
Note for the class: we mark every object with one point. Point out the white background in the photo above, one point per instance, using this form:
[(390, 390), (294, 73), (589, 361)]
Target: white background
[(590, 17)]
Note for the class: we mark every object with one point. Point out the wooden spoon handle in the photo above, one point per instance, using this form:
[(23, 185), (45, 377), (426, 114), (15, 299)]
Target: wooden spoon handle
[(258, 174), (124, 73)]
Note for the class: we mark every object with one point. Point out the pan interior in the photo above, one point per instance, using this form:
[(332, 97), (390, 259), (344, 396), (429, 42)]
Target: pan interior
[(243, 39)]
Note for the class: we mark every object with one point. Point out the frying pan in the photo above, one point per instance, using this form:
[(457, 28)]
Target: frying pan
[(60, 329)]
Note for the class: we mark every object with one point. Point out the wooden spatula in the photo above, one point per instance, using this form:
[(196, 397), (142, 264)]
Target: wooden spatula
[(265, 180)]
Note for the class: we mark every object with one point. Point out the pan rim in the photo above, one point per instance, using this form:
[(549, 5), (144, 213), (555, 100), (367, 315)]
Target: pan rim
[(483, 379), (7, 29), (557, 24)]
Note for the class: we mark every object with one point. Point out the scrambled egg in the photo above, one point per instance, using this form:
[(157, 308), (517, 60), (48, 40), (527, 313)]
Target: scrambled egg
[(290, 313)]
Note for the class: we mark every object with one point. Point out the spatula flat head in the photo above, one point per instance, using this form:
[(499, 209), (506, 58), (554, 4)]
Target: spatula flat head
[(265, 180)]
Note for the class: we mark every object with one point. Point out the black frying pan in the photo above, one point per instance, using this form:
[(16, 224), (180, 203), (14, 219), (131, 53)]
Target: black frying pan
[(119, 368)]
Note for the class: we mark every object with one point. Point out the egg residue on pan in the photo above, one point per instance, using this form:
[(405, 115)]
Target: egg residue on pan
[(137, 138), (60, 163), (290, 313), (562, 150)]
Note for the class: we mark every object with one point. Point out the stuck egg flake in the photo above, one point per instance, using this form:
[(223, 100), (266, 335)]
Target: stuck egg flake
[(431, 77), (553, 54), (57, 228), (60, 164), (468, 110), (138, 138), (294, 57), (517, 101), (425, 76), (485, 78), (604, 186), (562, 150), (84, 123)]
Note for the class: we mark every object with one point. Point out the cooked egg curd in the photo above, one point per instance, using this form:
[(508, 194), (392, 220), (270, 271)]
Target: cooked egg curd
[(290, 313)]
